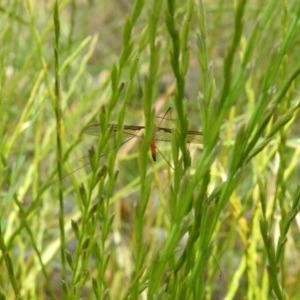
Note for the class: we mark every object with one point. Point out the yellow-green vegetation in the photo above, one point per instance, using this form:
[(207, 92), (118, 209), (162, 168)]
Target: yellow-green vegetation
[(86, 217)]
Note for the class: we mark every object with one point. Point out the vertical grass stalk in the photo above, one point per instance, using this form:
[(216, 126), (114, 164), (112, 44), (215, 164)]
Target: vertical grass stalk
[(59, 150)]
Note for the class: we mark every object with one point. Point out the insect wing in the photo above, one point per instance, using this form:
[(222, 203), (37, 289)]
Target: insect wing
[(132, 130), (95, 129), (194, 136), (165, 135), (128, 130)]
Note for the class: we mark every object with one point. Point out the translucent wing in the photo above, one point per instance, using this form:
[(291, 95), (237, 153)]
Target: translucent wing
[(162, 133), (129, 130), (165, 134)]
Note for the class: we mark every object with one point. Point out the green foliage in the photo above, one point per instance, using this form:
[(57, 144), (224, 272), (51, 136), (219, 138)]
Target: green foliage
[(94, 218)]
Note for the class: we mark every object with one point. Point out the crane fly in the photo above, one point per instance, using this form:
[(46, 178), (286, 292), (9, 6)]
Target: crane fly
[(163, 134)]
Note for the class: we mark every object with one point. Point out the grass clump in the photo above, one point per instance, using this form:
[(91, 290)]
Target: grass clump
[(218, 220)]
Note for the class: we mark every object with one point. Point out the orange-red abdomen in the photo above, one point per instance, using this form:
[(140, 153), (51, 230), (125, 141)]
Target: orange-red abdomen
[(153, 149)]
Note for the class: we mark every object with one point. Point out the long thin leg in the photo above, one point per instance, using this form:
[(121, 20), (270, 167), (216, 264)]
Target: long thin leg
[(169, 111), (165, 159)]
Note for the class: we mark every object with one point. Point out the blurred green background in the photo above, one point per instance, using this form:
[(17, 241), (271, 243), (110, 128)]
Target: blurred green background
[(226, 227)]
